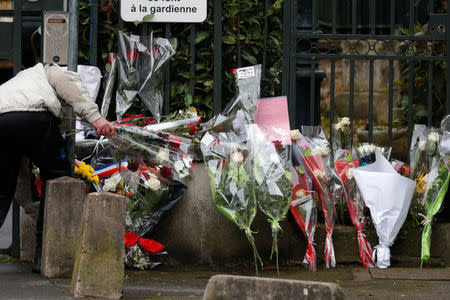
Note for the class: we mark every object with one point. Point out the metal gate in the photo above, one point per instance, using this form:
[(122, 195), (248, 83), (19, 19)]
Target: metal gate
[(404, 34)]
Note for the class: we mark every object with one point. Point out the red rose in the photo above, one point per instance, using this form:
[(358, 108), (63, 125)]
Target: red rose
[(191, 129), (277, 144), (166, 172), (132, 54), (111, 57)]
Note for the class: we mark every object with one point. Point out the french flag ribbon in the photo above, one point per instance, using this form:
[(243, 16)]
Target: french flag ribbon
[(109, 169)]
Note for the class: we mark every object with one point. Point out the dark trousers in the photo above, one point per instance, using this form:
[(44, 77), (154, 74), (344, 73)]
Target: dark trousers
[(35, 135)]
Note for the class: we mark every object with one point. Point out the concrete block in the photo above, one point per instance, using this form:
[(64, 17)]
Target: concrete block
[(99, 263), (62, 225), (228, 287)]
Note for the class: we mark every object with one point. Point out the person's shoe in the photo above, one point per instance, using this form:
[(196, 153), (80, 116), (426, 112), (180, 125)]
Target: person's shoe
[(36, 266)]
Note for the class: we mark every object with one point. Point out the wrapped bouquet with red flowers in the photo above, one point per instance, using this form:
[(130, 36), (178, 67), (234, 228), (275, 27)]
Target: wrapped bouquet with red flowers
[(304, 204), (149, 191), (140, 61), (344, 163), (317, 159)]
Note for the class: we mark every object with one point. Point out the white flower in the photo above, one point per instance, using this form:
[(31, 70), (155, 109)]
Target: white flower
[(295, 135), (337, 126), (345, 121), (433, 136), (274, 158), (111, 183), (365, 149), (349, 173), (319, 174), (300, 194), (163, 155), (422, 145), (372, 148), (381, 149), (153, 183), (323, 151), (237, 157)]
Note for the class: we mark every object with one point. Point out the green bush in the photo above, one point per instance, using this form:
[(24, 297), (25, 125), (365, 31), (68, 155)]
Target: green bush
[(243, 23)]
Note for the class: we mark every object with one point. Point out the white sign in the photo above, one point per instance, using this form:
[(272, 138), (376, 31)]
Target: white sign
[(164, 11)]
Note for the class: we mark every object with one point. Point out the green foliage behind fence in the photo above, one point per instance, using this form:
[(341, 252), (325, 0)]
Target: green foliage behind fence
[(243, 32)]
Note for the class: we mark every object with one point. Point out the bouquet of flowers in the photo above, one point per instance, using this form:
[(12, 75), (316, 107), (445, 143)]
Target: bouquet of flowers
[(140, 60), (304, 204), (344, 164), (229, 166), (388, 196), (316, 158), (273, 179), (343, 134), (437, 181), (437, 187), (366, 153), (85, 172), (111, 73), (154, 148), (417, 152), (150, 192)]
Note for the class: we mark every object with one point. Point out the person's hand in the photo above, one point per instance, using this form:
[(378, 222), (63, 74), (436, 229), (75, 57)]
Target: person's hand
[(104, 127)]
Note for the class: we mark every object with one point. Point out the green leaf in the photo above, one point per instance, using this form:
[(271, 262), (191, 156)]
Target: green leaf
[(188, 100), (230, 40), (301, 171), (200, 36), (308, 151), (349, 157), (147, 18)]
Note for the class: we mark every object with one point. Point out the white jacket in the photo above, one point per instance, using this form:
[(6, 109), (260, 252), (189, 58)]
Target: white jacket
[(38, 89)]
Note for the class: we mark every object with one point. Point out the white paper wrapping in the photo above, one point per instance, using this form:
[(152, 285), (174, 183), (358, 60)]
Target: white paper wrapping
[(388, 196)]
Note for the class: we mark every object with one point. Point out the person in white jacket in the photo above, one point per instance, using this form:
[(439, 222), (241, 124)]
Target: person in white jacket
[(30, 111)]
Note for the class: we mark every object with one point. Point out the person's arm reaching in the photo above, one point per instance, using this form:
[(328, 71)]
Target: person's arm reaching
[(69, 87)]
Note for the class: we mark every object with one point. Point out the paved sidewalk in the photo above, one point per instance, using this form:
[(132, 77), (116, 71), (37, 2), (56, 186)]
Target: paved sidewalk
[(188, 282)]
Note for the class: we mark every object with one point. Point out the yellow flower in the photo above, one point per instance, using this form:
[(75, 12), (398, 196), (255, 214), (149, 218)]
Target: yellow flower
[(95, 179)]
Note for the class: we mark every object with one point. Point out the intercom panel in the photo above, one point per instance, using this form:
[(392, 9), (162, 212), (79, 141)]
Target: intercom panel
[(56, 37)]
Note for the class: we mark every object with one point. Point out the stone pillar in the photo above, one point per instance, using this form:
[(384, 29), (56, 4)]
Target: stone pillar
[(99, 261), (228, 287), (62, 225)]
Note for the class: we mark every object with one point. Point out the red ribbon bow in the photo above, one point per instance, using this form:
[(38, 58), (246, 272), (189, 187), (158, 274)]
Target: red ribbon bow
[(150, 245)]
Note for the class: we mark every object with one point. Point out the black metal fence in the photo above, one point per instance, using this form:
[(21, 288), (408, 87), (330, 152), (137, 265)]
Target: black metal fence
[(411, 37)]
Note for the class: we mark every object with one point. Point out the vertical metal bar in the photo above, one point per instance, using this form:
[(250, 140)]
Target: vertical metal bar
[(333, 17), (266, 24), (332, 79), (431, 6), (447, 91), (167, 90), (144, 29), (93, 32), (392, 17), (17, 62), (314, 16), (371, 101), (72, 65), (192, 67), (217, 56), (411, 17), (410, 101), (430, 93), (17, 38), (352, 88), (353, 16), (372, 16), (391, 101), (73, 35), (286, 47), (239, 54), (312, 106)]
